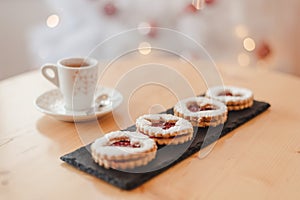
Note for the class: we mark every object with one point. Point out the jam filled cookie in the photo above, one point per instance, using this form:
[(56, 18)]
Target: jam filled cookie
[(235, 98), (165, 129), (123, 149), (201, 111)]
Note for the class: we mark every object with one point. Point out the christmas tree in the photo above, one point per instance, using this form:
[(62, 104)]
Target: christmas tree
[(242, 33)]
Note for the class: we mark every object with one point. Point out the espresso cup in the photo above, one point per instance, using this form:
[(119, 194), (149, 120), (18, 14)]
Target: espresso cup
[(76, 78)]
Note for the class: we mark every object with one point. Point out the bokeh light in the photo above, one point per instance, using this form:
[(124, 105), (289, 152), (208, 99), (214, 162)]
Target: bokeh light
[(144, 28), (145, 48), (249, 44), (52, 21)]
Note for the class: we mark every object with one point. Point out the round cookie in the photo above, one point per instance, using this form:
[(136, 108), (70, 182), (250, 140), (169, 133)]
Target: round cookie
[(201, 111), (123, 149), (165, 129), (235, 98)]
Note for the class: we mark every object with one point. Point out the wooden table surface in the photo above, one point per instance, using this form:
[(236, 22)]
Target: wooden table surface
[(259, 160)]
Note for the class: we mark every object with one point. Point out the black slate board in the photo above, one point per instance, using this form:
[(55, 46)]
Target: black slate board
[(82, 160)]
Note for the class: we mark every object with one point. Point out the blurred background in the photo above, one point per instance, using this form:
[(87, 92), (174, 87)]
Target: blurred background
[(236, 32)]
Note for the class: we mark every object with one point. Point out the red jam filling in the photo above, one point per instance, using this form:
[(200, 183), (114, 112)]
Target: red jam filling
[(125, 143), (208, 107), (228, 93), (194, 107), (163, 124), (168, 125), (225, 93)]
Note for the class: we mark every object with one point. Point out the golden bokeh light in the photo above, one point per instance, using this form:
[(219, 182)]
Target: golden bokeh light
[(144, 48), (52, 21), (249, 44)]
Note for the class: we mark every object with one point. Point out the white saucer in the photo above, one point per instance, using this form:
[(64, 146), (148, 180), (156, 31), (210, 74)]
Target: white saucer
[(51, 103)]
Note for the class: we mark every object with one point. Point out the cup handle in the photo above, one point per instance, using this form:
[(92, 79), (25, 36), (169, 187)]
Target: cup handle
[(53, 79)]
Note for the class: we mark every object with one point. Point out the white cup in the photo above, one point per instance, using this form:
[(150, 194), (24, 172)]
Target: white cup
[(76, 78)]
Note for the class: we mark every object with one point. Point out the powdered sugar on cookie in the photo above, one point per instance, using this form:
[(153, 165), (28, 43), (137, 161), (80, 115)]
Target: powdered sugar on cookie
[(122, 143), (229, 93), (161, 125), (201, 111), (183, 107), (165, 129), (235, 98)]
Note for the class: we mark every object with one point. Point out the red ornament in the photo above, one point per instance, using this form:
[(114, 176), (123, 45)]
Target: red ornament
[(190, 8), (110, 9), (153, 31), (209, 2), (263, 51)]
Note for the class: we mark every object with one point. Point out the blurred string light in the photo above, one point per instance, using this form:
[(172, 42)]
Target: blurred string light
[(144, 48), (243, 59), (52, 21), (249, 44), (241, 31)]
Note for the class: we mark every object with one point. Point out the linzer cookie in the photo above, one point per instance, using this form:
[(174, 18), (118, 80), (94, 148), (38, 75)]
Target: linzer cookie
[(201, 111), (123, 149), (235, 98), (165, 129)]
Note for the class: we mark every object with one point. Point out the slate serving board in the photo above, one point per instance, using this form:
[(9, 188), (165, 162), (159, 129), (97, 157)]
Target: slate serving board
[(167, 156)]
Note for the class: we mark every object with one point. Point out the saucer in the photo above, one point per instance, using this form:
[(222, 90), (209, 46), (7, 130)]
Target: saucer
[(51, 103)]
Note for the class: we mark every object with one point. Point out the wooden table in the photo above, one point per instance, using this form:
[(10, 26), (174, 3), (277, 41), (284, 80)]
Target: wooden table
[(259, 160)]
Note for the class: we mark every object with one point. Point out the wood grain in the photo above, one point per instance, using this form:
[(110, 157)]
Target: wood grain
[(259, 160)]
